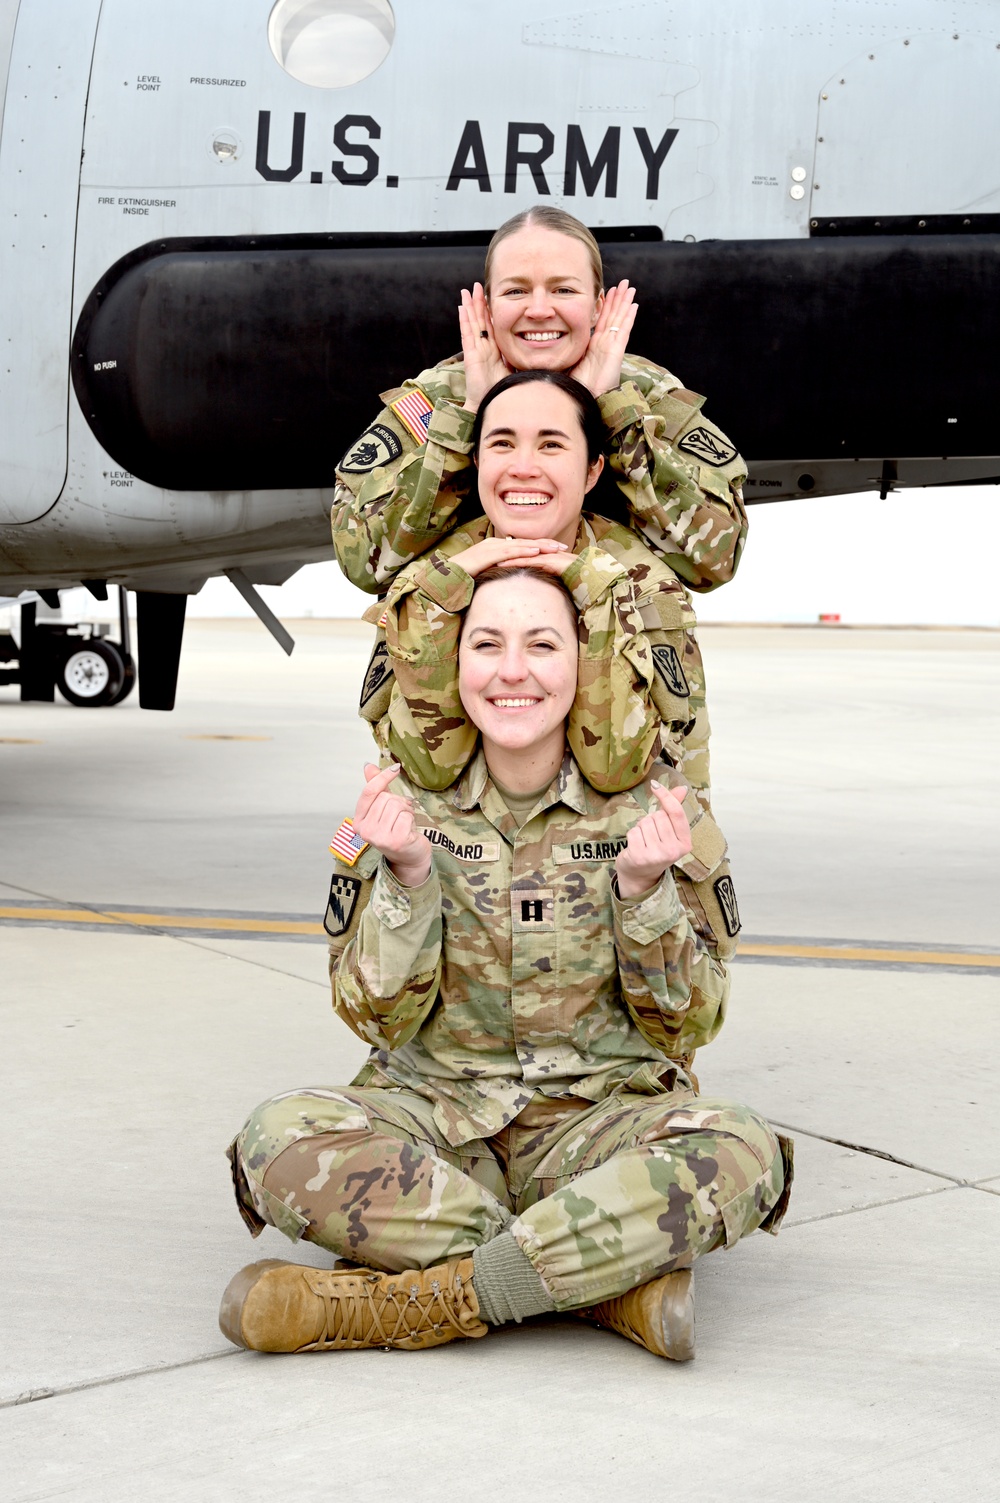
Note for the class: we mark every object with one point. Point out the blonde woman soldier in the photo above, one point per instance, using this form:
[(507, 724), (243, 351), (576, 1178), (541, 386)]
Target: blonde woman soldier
[(408, 480)]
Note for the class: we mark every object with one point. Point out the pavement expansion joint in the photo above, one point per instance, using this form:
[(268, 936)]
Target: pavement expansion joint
[(33, 1395), (259, 965), (790, 1223), (876, 1153)]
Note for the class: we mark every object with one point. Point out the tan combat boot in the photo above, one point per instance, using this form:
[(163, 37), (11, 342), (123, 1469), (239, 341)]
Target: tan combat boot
[(275, 1306), (658, 1315)]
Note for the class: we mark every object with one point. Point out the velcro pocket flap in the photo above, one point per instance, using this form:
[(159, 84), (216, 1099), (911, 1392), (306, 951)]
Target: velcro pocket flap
[(708, 844)]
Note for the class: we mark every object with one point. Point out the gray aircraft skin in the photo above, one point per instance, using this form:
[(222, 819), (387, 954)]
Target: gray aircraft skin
[(227, 224)]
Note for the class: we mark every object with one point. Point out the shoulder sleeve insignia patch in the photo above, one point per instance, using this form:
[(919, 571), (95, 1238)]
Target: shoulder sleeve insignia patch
[(378, 445), (414, 412), (726, 894), (379, 669), (343, 900), (347, 844), (708, 447), (668, 666)]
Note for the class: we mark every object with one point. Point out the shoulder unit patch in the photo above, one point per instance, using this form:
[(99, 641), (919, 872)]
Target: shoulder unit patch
[(668, 666), (708, 447), (377, 445), (379, 669), (343, 900), (726, 894)]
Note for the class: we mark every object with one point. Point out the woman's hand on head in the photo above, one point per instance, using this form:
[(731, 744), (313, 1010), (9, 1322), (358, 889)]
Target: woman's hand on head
[(490, 551), (549, 562), (660, 838), (386, 821), (600, 370), (484, 364)]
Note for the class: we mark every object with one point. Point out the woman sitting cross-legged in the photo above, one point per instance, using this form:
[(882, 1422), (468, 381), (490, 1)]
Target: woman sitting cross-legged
[(530, 969)]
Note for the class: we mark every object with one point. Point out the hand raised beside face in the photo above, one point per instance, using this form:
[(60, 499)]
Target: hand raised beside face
[(660, 838), (600, 370), (386, 821), (484, 364)]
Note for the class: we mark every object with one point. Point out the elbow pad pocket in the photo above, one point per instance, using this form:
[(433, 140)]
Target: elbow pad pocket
[(434, 755)]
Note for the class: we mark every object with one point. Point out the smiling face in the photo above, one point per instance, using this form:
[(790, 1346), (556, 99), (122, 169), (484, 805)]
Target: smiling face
[(542, 299), (533, 465), (517, 668)]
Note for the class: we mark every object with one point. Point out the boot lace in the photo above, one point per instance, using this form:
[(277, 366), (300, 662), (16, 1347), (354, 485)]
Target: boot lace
[(367, 1312)]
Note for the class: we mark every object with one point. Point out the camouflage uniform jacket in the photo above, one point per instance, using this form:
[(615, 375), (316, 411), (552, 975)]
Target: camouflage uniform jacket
[(680, 477), (641, 679), (516, 970)]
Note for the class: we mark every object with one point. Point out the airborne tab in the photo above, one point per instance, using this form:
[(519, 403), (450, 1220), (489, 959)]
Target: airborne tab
[(378, 445)]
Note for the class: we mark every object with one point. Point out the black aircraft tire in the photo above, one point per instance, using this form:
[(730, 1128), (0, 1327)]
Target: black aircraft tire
[(92, 675), (128, 680)]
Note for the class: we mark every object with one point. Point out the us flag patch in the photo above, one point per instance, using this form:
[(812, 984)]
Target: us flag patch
[(414, 412), (347, 844)]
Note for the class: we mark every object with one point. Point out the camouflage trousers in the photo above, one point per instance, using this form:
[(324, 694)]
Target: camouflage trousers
[(600, 1198)]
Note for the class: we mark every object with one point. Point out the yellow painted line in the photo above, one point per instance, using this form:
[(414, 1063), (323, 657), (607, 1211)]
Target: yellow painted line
[(838, 952), (116, 919), (57, 915), (162, 920), (265, 926), (189, 921)]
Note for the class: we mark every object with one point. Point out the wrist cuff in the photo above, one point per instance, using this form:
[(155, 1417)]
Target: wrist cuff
[(622, 407), (445, 582), (451, 427), (650, 915)]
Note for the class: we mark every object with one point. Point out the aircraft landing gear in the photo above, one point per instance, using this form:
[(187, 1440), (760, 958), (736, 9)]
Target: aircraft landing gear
[(92, 674), (161, 632), (87, 669)]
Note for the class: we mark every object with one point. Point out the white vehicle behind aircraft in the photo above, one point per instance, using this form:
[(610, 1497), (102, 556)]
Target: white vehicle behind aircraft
[(228, 224)]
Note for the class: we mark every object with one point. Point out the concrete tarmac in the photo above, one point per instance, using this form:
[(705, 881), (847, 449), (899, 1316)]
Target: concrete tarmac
[(161, 972)]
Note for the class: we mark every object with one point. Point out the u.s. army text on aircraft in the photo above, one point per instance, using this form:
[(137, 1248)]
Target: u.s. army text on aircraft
[(228, 224)]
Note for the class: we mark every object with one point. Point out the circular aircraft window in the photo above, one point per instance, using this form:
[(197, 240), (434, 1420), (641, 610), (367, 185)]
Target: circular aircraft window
[(331, 43)]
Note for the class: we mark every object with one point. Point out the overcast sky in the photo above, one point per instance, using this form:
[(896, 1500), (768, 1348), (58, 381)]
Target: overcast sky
[(920, 557), (927, 557)]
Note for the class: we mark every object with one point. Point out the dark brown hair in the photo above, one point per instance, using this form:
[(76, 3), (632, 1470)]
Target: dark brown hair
[(587, 410), (506, 572)]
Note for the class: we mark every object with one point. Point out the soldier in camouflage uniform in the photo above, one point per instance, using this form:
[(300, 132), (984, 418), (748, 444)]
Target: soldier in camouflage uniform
[(407, 482), (532, 970), (678, 474), (640, 684)]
